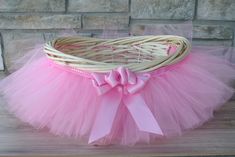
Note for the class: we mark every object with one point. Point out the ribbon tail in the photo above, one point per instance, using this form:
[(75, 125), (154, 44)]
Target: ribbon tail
[(105, 115), (141, 114)]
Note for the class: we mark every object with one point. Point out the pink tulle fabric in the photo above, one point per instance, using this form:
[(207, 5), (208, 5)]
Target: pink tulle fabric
[(180, 97), (163, 103)]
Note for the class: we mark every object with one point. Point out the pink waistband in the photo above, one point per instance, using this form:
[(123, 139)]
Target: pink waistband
[(87, 74), (70, 69)]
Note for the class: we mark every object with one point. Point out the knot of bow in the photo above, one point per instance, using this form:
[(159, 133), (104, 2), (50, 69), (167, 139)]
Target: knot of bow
[(122, 78)]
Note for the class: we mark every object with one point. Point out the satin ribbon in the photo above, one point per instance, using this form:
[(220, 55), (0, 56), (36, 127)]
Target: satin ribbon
[(121, 85)]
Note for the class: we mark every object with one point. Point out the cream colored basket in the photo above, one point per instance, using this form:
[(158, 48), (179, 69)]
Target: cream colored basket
[(137, 53)]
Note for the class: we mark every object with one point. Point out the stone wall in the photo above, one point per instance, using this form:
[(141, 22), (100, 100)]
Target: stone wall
[(24, 23)]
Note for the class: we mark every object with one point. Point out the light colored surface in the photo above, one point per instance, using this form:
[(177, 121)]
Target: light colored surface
[(1, 59), (98, 6), (158, 9), (1, 63), (32, 5), (96, 21), (38, 21), (216, 10), (215, 137)]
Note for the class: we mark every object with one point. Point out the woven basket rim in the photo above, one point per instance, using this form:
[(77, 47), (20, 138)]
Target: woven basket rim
[(102, 55)]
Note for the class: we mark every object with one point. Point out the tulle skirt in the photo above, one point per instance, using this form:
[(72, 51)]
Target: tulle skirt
[(181, 97)]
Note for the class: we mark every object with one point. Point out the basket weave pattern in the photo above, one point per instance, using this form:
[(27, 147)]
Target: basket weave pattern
[(138, 53)]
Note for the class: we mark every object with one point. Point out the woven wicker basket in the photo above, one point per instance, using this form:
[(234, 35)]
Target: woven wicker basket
[(138, 53)]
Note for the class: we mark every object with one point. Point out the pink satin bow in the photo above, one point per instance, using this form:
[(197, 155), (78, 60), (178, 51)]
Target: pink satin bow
[(121, 85)]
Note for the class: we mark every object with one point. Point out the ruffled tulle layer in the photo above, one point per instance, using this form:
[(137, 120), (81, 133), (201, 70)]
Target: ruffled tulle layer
[(181, 97)]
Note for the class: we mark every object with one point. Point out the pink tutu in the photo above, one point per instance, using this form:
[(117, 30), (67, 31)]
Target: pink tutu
[(94, 109), (179, 97)]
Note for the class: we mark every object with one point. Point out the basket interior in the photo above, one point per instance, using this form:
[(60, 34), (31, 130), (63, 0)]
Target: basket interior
[(138, 52), (118, 52)]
